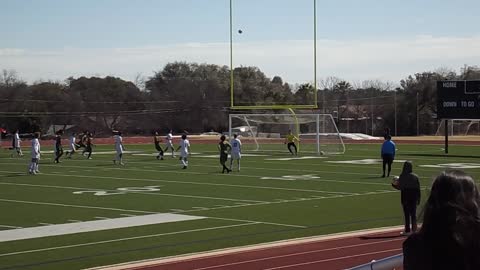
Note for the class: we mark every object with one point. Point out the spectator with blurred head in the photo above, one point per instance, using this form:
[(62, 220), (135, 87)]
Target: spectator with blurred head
[(388, 154), (409, 186), (450, 233)]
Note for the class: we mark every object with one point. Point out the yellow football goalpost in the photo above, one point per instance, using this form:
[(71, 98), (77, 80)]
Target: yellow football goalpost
[(289, 107)]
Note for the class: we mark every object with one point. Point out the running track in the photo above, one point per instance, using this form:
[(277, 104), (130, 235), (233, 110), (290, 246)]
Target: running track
[(339, 252)]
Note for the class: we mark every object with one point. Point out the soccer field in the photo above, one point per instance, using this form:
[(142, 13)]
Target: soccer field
[(85, 213)]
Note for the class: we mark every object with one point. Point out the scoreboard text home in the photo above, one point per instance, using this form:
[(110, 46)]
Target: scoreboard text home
[(458, 99)]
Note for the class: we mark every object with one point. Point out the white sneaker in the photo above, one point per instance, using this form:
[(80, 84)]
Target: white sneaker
[(405, 233)]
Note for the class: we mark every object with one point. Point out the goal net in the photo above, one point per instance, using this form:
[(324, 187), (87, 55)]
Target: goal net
[(459, 127), (318, 133)]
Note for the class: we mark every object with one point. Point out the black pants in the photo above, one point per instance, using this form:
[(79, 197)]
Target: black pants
[(291, 144), (387, 161), (409, 204)]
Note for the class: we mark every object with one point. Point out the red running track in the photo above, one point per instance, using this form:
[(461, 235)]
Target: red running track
[(339, 253)]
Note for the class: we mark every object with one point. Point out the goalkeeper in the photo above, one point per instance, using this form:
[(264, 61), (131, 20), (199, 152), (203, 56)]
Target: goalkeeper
[(290, 141)]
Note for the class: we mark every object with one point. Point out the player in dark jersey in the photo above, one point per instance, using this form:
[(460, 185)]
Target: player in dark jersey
[(58, 146), (224, 147), (88, 145), (156, 141)]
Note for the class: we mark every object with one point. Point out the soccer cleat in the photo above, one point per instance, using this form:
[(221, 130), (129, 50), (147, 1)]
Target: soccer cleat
[(121, 163), (184, 167), (114, 161)]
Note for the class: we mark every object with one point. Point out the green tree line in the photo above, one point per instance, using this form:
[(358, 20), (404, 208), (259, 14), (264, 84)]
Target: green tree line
[(195, 98)]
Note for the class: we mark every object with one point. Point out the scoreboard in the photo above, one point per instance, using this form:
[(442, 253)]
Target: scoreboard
[(458, 99)]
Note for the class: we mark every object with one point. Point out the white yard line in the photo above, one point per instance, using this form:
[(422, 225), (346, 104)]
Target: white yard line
[(135, 192), (123, 239), (10, 227), (224, 185), (91, 226), (268, 223), (79, 206)]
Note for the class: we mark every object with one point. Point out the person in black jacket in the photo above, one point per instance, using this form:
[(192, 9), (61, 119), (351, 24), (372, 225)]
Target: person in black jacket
[(450, 233), (409, 185)]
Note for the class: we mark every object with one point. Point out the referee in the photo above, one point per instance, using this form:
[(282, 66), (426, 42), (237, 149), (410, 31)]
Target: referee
[(388, 154)]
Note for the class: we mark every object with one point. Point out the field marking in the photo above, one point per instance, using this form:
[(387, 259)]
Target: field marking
[(78, 206), (296, 254), (91, 226), (10, 227), (218, 184), (268, 223), (123, 239), (135, 192)]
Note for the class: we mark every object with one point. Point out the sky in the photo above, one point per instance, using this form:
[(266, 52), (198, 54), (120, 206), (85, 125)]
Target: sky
[(356, 40)]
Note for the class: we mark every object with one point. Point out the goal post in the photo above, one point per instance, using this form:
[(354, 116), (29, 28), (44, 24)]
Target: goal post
[(317, 133)]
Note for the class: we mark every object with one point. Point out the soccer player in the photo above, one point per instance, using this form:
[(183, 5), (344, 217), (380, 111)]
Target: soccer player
[(58, 146), (184, 148), (118, 147), (170, 143), (236, 151), (156, 141), (73, 146), (82, 142), (290, 141), (88, 144), (224, 147), (388, 154), (16, 144), (33, 168)]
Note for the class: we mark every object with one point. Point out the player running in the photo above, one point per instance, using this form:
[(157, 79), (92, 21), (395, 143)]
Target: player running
[(236, 151), (169, 145), (88, 144), (184, 150), (58, 146), (35, 150), (156, 141), (224, 147), (118, 147), (290, 141), (73, 146)]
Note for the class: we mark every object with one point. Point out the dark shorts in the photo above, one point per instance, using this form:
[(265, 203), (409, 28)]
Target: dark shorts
[(387, 158), (223, 158)]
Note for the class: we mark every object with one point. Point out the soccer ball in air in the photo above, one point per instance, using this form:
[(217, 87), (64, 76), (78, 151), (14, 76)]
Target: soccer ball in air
[(240, 31)]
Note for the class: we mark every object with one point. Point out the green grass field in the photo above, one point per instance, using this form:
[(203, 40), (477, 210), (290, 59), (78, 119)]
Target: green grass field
[(268, 200)]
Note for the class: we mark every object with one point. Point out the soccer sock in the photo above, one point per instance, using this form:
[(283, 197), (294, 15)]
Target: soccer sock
[(36, 167), (238, 161)]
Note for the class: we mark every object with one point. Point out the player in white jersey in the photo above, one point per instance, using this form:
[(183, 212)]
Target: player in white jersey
[(236, 153), (16, 144), (119, 148), (33, 168), (184, 148), (73, 146), (169, 145)]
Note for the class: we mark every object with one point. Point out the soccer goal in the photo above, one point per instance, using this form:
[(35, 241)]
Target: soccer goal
[(459, 127), (317, 133)]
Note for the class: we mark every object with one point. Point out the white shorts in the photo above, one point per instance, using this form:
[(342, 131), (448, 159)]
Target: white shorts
[(236, 155), (72, 147), (169, 144), (183, 155), (119, 150)]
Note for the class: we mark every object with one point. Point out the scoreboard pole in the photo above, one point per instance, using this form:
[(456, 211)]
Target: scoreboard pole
[(446, 135)]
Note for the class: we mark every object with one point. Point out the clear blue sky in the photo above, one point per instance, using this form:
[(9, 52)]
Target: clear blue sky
[(50, 25), (126, 23)]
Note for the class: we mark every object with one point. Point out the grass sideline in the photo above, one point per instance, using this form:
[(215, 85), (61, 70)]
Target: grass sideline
[(268, 201)]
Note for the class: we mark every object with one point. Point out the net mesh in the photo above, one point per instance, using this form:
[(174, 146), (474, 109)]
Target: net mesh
[(266, 132)]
